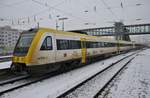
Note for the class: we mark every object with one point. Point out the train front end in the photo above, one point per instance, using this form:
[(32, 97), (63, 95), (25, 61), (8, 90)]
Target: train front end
[(22, 52)]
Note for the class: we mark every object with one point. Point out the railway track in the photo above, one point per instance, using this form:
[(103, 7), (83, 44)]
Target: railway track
[(22, 81), (5, 74), (8, 79), (88, 85), (107, 83), (14, 84), (13, 79), (3, 71)]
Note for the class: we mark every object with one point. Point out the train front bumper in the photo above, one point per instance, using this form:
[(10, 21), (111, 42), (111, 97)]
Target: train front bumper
[(18, 59)]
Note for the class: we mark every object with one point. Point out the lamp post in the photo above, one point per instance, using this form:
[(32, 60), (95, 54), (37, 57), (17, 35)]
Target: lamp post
[(57, 22), (63, 24)]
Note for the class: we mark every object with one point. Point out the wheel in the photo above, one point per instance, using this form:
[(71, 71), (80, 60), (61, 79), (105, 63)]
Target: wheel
[(13, 68), (18, 68)]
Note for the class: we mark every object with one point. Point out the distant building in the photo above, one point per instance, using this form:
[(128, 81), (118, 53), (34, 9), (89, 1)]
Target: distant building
[(8, 37)]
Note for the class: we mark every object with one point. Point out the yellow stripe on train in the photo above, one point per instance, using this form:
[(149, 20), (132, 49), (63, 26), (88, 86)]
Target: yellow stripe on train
[(83, 50), (19, 59)]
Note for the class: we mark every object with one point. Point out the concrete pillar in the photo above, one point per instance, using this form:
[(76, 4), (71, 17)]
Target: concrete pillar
[(120, 30)]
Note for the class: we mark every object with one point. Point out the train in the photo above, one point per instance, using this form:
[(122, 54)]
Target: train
[(46, 49)]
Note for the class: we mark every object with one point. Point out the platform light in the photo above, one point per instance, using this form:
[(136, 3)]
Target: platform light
[(86, 23), (1, 19), (89, 23), (57, 22), (138, 19), (86, 11), (63, 24), (138, 4)]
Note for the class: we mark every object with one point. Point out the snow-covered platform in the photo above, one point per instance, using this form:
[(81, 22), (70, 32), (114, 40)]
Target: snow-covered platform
[(134, 82), (5, 56), (4, 65)]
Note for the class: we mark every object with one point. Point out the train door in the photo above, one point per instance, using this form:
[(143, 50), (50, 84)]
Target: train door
[(83, 50), (47, 49)]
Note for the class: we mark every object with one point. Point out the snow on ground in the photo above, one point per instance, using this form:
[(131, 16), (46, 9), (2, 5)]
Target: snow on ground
[(4, 65), (90, 88), (5, 56), (135, 80), (56, 85)]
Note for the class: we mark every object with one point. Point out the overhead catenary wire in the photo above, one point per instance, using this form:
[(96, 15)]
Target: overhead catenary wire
[(43, 11), (110, 9), (88, 9), (12, 20), (123, 10), (13, 4), (59, 10), (34, 17)]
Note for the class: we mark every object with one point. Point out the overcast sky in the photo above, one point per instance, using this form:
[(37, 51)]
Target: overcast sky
[(95, 13)]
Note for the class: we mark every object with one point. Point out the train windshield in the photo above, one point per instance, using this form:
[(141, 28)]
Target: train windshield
[(24, 42)]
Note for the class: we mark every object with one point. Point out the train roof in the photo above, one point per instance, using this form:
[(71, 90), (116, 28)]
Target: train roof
[(61, 32), (89, 37)]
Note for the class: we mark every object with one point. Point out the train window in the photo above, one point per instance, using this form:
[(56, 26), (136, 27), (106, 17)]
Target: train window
[(68, 44), (62, 44), (110, 44), (105, 44), (102, 44), (47, 44), (99, 44), (24, 43), (73, 44), (87, 44), (94, 44), (114, 44)]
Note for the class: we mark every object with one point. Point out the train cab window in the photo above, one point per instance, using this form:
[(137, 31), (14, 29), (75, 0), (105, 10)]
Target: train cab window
[(47, 44), (24, 42)]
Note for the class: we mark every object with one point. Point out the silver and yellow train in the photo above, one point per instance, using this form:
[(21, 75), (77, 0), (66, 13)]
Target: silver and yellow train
[(49, 49)]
